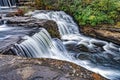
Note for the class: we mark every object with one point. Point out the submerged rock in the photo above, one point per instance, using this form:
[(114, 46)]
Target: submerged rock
[(17, 68), (82, 47)]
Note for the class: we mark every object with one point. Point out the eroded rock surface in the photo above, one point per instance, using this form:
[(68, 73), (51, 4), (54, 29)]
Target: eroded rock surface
[(17, 68)]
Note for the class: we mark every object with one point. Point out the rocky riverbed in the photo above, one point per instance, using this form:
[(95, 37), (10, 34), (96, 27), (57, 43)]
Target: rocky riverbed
[(13, 67)]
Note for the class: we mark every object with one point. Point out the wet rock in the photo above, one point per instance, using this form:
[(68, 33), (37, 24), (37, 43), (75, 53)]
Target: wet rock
[(82, 47), (83, 56), (1, 22), (17, 68), (18, 12), (77, 48), (10, 14), (52, 28), (98, 44), (70, 47), (49, 25)]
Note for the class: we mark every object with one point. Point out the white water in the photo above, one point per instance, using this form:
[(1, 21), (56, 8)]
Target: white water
[(65, 23), (102, 57), (41, 45), (7, 3)]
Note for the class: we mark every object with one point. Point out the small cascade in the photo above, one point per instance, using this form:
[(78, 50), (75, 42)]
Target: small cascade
[(41, 45), (4, 3), (65, 23), (8, 3), (96, 55)]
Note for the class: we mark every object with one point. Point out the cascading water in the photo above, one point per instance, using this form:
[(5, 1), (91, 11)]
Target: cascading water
[(7, 3), (41, 45), (96, 55), (65, 23)]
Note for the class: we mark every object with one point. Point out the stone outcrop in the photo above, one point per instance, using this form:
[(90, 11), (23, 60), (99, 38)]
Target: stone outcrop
[(108, 34), (32, 26), (17, 68), (49, 25)]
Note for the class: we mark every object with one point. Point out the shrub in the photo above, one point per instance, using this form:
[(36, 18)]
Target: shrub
[(92, 12)]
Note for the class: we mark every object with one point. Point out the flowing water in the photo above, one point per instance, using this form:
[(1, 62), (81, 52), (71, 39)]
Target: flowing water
[(41, 45), (7, 3), (96, 55)]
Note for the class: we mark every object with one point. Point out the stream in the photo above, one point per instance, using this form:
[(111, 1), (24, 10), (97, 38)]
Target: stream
[(95, 55)]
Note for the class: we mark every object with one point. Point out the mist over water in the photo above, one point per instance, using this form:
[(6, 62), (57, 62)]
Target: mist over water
[(96, 55)]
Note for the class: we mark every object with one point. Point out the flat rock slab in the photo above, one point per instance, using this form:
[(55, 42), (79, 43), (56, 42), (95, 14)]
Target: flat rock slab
[(18, 68)]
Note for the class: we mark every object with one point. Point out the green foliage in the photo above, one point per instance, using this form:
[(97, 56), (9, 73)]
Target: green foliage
[(94, 12), (87, 12), (43, 4)]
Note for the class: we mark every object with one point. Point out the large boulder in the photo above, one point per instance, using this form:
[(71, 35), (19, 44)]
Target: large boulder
[(17, 68)]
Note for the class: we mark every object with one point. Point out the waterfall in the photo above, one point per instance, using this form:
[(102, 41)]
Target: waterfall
[(65, 23), (96, 55), (41, 45), (7, 3)]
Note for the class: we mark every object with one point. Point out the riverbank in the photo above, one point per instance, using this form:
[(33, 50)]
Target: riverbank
[(110, 33)]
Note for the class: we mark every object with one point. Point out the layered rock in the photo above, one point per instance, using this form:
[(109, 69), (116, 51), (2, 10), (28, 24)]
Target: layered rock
[(109, 34), (49, 25), (17, 68)]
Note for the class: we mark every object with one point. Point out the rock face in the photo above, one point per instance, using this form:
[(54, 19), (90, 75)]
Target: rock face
[(49, 25), (17, 68), (109, 34)]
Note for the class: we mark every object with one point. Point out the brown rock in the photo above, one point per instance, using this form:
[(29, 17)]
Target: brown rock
[(17, 68), (18, 12), (112, 35)]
